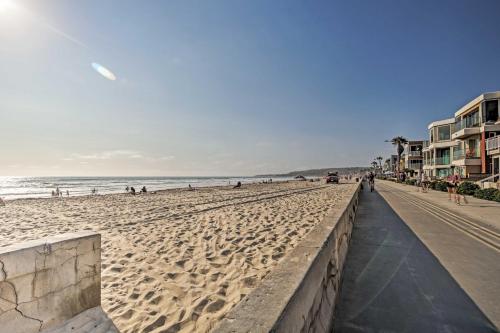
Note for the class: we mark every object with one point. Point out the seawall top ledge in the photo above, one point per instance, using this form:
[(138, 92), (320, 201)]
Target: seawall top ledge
[(303, 285), (75, 236)]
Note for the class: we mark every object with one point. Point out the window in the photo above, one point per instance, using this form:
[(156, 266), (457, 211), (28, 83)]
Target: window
[(472, 119), (472, 148), (431, 134), (443, 133), (491, 111)]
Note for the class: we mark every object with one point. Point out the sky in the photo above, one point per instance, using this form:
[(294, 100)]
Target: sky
[(213, 88)]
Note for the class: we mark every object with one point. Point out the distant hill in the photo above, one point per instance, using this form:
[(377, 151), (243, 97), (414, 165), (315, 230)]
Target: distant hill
[(319, 172)]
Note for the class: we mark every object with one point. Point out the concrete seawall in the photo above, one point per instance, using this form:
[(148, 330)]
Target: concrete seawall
[(300, 294), (53, 284)]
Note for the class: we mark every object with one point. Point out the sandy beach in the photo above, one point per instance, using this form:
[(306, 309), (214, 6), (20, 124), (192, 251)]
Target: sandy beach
[(178, 260)]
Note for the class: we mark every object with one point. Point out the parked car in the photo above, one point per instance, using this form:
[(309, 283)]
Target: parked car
[(333, 177)]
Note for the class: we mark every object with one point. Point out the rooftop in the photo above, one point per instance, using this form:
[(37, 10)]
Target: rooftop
[(477, 100), (441, 122)]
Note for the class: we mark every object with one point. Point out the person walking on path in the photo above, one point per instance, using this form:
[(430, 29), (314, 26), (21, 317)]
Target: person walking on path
[(456, 182), (452, 186), (371, 181), (449, 186), (425, 183)]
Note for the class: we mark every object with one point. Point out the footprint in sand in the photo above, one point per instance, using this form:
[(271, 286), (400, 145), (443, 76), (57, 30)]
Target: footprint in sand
[(215, 306), (128, 314), (154, 325)]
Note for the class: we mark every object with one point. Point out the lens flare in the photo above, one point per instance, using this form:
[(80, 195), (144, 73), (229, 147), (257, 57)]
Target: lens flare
[(104, 71)]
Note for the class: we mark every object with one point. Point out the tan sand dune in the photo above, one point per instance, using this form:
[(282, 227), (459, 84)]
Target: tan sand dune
[(178, 260)]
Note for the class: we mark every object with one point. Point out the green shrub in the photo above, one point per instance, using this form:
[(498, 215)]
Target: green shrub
[(486, 193), (411, 182), (439, 185), (467, 188), (497, 197)]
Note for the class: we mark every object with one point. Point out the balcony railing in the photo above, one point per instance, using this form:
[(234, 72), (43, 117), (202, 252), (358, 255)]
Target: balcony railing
[(493, 143), (415, 153), (414, 166), (426, 144), (460, 154), (442, 160), (466, 123)]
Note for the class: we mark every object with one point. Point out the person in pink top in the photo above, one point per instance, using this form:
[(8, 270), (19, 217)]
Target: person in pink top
[(453, 182)]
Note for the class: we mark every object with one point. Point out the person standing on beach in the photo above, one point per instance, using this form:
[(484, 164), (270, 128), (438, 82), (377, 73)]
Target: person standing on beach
[(2, 203), (67, 193)]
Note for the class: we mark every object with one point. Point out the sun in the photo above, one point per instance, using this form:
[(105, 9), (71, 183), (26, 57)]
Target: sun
[(7, 5)]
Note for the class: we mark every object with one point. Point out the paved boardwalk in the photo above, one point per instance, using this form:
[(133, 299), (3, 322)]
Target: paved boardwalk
[(409, 269)]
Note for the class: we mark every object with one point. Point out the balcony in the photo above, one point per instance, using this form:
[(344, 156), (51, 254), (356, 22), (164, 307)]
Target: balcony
[(415, 166), (466, 157), (493, 145), (414, 153), (466, 127), (444, 160)]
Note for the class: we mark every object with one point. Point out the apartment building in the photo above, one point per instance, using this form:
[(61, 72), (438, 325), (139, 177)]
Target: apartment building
[(438, 150), (413, 157), (493, 151), (476, 123)]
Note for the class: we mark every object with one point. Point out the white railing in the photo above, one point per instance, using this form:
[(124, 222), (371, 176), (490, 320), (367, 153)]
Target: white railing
[(467, 123), (493, 143), (492, 178)]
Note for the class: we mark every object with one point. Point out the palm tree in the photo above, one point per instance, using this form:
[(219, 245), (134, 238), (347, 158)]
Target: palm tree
[(374, 164), (379, 159), (399, 141)]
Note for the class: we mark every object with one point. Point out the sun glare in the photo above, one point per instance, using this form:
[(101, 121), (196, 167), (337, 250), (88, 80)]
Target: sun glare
[(7, 5)]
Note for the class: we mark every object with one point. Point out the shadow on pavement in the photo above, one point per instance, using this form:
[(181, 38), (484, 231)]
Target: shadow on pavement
[(393, 283)]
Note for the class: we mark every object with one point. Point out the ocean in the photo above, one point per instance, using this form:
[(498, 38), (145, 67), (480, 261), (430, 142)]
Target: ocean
[(42, 187)]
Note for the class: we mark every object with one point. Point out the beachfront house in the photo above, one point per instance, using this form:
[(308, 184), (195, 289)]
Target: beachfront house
[(413, 157), (493, 151), (475, 123), (438, 150)]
